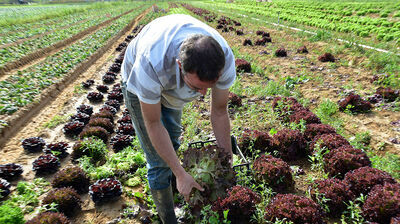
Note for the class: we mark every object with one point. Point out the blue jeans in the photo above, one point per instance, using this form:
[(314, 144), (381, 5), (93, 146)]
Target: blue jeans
[(159, 174)]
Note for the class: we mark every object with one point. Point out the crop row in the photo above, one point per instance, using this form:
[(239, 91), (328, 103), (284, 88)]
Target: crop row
[(13, 53), (382, 28), (343, 8), (14, 16), (25, 31), (21, 89)]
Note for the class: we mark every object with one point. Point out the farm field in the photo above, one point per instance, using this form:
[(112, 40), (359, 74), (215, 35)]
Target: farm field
[(317, 119)]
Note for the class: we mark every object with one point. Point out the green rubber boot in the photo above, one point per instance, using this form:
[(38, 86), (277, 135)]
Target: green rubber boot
[(164, 202)]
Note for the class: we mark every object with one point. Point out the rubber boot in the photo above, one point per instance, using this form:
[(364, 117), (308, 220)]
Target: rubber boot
[(164, 202)]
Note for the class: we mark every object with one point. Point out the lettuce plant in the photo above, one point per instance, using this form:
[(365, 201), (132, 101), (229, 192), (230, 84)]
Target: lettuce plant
[(241, 203), (210, 167)]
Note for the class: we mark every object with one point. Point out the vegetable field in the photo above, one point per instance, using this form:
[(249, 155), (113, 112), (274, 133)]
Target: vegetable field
[(315, 115)]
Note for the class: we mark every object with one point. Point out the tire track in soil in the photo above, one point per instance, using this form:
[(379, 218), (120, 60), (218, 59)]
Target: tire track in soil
[(36, 56), (29, 120), (42, 34)]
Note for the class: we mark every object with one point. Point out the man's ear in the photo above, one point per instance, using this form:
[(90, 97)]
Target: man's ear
[(179, 63)]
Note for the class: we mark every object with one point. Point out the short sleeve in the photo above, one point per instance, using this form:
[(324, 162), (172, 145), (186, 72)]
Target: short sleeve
[(229, 74), (146, 83)]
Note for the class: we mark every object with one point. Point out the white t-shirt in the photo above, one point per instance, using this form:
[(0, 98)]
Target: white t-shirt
[(150, 68)]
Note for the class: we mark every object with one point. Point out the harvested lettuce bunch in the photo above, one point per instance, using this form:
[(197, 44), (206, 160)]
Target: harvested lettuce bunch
[(210, 167)]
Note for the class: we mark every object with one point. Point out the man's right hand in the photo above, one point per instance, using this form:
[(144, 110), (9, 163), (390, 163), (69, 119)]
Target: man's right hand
[(185, 183)]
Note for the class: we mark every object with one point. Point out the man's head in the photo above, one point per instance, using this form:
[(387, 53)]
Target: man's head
[(202, 55)]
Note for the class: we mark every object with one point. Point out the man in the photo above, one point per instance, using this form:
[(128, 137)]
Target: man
[(173, 60)]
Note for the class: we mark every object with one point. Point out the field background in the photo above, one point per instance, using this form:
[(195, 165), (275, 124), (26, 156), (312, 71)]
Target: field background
[(48, 50)]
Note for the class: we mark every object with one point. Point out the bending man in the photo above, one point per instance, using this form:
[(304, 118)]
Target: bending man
[(173, 60)]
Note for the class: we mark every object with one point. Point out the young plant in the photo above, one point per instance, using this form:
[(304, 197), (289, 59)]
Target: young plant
[(344, 159), (240, 202), (49, 218), (297, 209), (67, 199), (209, 166), (105, 190), (383, 203), (94, 148), (363, 179), (47, 163), (274, 172), (331, 194), (33, 144), (73, 177), (95, 132), (10, 171)]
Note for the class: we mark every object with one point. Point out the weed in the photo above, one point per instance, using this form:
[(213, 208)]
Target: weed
[(211, 217), (320, 197), (56, 120), (266, 194), (384, 62), (361, 141), (290, 82), (317, 158), (274, 88), (11, 214), (353, 214), (389, 162), (322, 35), (79, 90), (327, 112), (237, 87), (301, 126)]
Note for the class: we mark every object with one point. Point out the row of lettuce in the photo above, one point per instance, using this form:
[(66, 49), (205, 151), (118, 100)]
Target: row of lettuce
[(52, 24), (23, 88), (363, 26), (15, 52), (13, 18)]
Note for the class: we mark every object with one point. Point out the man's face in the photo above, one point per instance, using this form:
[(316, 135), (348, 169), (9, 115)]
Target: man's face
[(193, 81)]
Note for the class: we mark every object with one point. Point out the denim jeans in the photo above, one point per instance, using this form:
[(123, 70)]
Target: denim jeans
[(159, 174)]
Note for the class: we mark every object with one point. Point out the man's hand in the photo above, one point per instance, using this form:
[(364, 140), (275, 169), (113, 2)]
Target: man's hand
[(185, 183)]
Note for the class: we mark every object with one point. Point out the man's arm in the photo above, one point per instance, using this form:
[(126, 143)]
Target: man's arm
[(220, 119), (161, 141)]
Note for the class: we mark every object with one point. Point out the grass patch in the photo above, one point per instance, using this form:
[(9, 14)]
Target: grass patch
[(56, 120), (389, 162), (327, 111)]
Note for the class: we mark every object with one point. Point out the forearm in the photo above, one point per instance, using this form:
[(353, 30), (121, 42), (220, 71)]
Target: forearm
[(221, 127), (161, 141)]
